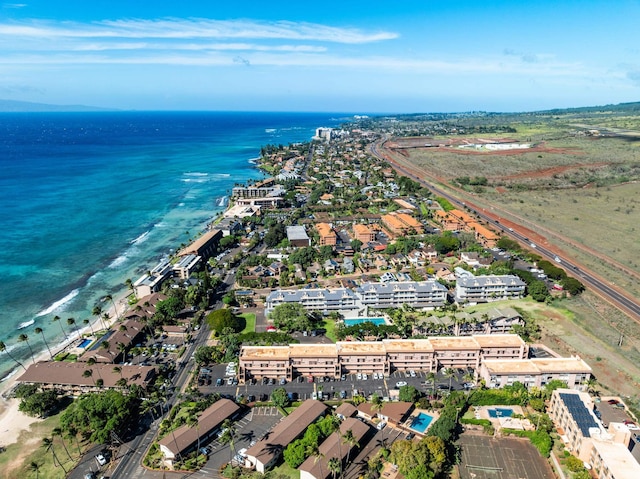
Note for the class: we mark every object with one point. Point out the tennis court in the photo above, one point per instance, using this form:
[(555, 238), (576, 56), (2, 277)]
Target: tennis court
[(485, 457)]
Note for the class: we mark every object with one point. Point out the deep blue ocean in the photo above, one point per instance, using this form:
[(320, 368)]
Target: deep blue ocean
[(88, 200)]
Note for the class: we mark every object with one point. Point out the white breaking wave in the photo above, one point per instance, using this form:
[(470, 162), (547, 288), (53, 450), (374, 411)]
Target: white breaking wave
[(196, 174), (118, 261), (26, 324), (160, 225), (194, 180), (58, 304), (270, 130), (221, 175), (141, 239)]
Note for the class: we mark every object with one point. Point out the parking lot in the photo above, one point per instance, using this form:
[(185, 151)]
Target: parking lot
[(324, 388)]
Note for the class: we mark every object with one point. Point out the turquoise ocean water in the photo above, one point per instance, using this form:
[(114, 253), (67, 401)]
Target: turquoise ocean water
[(88, 200)]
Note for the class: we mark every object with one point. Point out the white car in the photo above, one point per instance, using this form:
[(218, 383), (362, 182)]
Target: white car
[(381, 425), (399, 384), (101, 459), (359, 376), (412, 373), (365, 377)]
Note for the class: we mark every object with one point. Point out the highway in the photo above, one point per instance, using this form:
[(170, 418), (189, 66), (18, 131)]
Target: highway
[(599, 286)]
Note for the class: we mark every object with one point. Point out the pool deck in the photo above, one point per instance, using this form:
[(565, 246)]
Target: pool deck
[(406, 426), (482, 412)]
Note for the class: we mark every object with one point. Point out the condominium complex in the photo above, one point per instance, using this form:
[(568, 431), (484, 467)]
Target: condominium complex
[(604, 450), (327, 237), (536, 372), (363, 233), (402, 224), (418, 294), (482, 289), (384, 356)]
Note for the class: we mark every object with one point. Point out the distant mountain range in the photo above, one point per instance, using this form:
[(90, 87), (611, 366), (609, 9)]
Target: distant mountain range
[(27, 106)]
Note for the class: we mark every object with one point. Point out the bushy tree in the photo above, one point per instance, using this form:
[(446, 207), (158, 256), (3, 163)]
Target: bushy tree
[(279, 397), (39, 404), (290, 317), (221, 319), (538, 290), (97, 415), (409, 393)]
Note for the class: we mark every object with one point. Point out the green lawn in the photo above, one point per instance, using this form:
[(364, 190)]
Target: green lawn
[(250, 322), (330, 326), (287, 471)]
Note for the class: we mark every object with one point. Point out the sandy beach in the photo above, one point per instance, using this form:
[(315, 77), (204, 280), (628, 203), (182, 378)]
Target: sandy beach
[(12, 421)]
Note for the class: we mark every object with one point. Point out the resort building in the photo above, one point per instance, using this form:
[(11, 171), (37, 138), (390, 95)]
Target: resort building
[(484, 235), (393, 294), (266, 452), (342, 300), (204, 246), (112, 346), (186, 266), (493, 321), (363, 233), (417, 294), (297, 236), (185, 439), (604, 450), (394, 413), (334, 447), (483, 289), (386, 356), (78, 378), (328, 237), (151, 282), (401, 224), (536, 372), (256, 192)]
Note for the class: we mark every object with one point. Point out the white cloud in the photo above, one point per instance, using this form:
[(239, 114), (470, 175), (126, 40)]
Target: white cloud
[(172, 28)]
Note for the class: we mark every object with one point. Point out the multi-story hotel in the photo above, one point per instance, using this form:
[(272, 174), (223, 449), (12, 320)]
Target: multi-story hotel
[(386, 356), (418, 294), (482, 289), (363, 233), (604, 450), (535, 372), (327, 237)]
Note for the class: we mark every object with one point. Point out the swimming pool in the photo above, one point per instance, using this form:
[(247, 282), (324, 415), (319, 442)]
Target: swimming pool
[(500, 412), (421, 422), (84, 343), (353, 322)]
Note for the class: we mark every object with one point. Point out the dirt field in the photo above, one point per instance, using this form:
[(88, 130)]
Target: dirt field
[(485, 457)]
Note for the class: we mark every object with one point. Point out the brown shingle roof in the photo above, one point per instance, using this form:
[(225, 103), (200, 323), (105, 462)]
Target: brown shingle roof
[(185, 437), (334, 447), (286, 431), (60, 373)]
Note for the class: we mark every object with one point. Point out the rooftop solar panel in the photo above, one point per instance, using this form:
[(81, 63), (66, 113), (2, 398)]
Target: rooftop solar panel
[(579, 413)]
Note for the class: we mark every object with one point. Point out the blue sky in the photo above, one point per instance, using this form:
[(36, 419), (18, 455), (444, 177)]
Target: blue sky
[(347, 56)]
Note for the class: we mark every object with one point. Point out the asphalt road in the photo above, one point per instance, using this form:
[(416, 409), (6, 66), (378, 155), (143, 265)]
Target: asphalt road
[(601, 287)]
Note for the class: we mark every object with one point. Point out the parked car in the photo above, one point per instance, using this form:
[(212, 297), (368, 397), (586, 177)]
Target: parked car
[(399, 384), (101, 459), (381, 425)]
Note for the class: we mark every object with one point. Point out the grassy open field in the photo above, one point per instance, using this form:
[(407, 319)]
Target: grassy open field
[(605, 219)]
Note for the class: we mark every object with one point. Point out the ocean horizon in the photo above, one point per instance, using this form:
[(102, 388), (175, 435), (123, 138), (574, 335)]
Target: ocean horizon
[(90, 199)]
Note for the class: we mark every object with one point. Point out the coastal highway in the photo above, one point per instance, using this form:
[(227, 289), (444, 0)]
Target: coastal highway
[(599, 286)]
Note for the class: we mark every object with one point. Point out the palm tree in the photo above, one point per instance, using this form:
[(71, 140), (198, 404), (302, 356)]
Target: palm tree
[(334, 466), (3, 349), (192, 421), (86, 322), (350, 440), (47, 443), (35, 467), (72, 433), (117, 370), (57, 318), (313, 450), (121, 383), (97, 312), (87, 373), (23, 338), (105, 320), (431, 378), (57, 432), (40, 331), (115, 309), (72, 322), (449, 373)]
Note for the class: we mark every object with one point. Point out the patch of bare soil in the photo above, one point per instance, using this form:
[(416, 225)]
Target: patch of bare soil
[(549, 172)]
